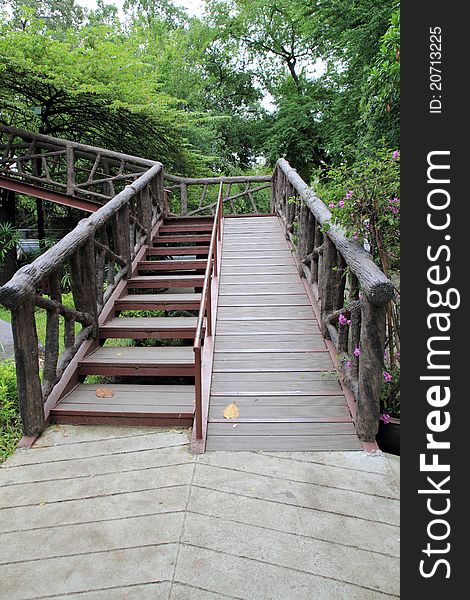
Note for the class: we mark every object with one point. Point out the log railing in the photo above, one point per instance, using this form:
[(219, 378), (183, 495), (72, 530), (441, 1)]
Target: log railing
[(90, 261), (351, 290), (205, 313), (75, 170), (199, 196)]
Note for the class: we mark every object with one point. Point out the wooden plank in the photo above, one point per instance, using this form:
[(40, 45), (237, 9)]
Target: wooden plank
[(263, 313), (265, 300), (100, 409), (158, 302), (172, 265), (143, 395), (274, 377), (257, 279), (259, 262), (149, 327), (261, 289), (280, 429), (272, 327), (283, 361), (280, 412), (126, 353), (278, 343), (155, 282), (321, 387), (150, 323), (256, 403), (250, 269), (181, 239), (178, 251), (284, 443)]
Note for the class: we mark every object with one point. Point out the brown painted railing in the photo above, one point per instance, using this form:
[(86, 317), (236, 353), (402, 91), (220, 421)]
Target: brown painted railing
[(345, 281), (92, 260), (199, 196), (205, 313)]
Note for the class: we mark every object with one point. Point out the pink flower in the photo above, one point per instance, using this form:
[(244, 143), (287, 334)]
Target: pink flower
[(356, 237), (357, 352), (348, 322), (395, 154), (348, 364), (387, 377), (349, 195), (331, 205), (342, 320), (341, 203), (385, 418)]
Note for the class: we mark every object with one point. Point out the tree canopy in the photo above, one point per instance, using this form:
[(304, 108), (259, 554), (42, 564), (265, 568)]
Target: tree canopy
[(249, 81)]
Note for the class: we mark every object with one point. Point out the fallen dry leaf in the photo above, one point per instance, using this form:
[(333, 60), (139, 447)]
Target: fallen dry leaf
[(231, 411), (104, 393)]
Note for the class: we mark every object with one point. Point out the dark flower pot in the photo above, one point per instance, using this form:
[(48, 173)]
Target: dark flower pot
[(388, 437)]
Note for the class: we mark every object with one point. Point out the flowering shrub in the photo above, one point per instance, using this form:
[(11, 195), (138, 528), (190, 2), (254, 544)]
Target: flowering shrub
[(390, 397), (364, 200)]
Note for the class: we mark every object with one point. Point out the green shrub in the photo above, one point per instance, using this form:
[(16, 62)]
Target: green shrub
[(10, 424)]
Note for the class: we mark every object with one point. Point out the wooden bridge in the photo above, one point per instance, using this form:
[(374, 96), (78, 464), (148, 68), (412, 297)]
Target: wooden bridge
[(215, 318)]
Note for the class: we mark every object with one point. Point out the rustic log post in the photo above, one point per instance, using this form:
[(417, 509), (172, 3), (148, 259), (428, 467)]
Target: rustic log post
[(302, 246), (273, 199), (27, 368), (83, 274), (341, 281), (317, 242), (184, 199), (51, 354), (328, 284), (146, 208), (372, 349), (121, 236), (70, 170), (355, 326)]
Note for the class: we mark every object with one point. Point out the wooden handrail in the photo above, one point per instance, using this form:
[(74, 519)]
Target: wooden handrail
[(375, 284), (95, 256), (205, 311), (352, 291), (84, 150), (26, 279)]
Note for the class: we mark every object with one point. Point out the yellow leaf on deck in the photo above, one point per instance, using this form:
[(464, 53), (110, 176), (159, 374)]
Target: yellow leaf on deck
[(231, 411), (104, 393)]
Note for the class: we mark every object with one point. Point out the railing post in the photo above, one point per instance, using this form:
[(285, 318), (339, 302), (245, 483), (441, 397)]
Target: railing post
[(83, 276), (209, 311), (146, 208), (198, 392), (372, 347), (70, 170), (184, 199), (27, 368), (327, 284)]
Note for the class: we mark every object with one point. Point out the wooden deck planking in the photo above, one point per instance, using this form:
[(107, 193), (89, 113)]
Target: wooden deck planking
[(270, 358)]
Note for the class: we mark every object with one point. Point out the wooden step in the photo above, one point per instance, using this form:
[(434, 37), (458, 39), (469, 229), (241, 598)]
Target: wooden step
[(189, 219), (178, 251), (159, 302), (190, 227), (155, 282), (150, 327), (163, 405), (133, 361), (172, 265), (181, 239)]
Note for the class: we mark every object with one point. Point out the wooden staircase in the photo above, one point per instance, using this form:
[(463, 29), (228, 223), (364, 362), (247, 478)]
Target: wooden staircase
[(142, 383)]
